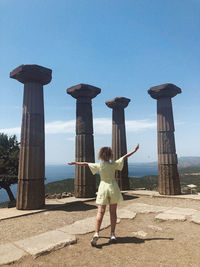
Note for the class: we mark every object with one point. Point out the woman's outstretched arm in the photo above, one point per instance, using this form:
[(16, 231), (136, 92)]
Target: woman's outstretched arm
[(78, 163), (131, 153)]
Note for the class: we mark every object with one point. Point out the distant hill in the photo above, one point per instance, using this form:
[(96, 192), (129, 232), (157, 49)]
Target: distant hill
[(185, 162)]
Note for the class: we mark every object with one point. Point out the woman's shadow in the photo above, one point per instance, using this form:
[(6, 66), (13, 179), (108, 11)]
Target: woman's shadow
[(129, 240)]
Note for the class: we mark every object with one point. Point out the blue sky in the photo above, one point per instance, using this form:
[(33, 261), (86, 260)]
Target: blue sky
[(122, 46)]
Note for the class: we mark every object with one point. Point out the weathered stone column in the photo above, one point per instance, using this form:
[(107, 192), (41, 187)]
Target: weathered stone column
[(84, 184), (119, 146), (30, 192), (169, 183)]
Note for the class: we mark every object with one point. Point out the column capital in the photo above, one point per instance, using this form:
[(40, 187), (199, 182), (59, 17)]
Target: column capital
[(164, 90), (118, 102), (32, 73), (83, 90)]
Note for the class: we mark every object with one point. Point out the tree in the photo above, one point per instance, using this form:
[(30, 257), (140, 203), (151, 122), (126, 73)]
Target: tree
[(9, 161)]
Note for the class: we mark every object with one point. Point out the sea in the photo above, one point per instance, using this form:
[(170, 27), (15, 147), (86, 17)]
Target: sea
[(55, 173)]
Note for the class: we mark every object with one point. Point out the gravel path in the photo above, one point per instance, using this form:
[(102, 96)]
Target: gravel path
[(165, 243)]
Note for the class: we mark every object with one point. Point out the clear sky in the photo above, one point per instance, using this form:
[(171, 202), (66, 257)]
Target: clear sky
[(122, 46)]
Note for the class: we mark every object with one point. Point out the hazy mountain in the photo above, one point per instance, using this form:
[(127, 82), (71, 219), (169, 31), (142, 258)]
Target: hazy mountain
[(153, 164), (183, 162)]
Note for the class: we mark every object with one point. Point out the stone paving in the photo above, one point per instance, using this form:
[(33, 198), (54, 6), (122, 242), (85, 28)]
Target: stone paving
[(50, 204), (46, 242), (61, 237), (156, 194)]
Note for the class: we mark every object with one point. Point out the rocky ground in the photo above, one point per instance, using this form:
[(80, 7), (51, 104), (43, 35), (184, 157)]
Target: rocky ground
[(142, 241)]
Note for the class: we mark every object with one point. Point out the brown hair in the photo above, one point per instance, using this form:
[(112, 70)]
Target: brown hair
[(105, 153)]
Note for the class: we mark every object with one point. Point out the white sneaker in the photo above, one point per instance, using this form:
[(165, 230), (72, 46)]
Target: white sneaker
[(113, 238), (94, 240)]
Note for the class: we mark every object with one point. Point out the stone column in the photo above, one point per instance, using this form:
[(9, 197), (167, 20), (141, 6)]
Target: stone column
[(119, 146), (30, 192), (168, 180), (85, 184)]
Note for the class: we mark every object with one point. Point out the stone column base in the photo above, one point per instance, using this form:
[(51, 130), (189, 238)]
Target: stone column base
[(31, 194), (81, 191), (122, 180), (85, 182), (168, 180)]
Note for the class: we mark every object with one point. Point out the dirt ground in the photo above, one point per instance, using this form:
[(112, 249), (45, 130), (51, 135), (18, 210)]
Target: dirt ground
[(166, 243)]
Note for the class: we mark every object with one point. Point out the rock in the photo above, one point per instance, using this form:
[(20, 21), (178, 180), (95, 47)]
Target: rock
[(196, 218), (180, 211), (58, 196), (145, 208), (64, 195), (125, 214), (170, 217), (86, 225), (140, 233), (50, 196), (45, 242), (12, 204), (10, 253), (156, 228)]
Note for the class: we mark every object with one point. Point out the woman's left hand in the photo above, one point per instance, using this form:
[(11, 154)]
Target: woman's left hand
[(137, 147)]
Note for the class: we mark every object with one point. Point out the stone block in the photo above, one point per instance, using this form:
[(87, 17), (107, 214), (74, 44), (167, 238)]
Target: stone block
[(10, 254), (32, 73), (145, 208), (46, 242), (125, 214), (140, 233), (170, 217), (164, 90), (181, 211), (83, 90), (196, 218)]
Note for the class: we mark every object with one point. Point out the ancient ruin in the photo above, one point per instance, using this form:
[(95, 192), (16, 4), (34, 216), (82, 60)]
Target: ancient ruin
[(85, 184), (31, 194), (119, 146), (169, 183)]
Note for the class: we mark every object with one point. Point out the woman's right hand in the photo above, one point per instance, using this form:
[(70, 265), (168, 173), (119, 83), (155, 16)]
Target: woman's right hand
[(71, 163)]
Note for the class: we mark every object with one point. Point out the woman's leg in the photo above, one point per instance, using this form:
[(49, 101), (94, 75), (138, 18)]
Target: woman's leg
[(99, 218), (113, 217)]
